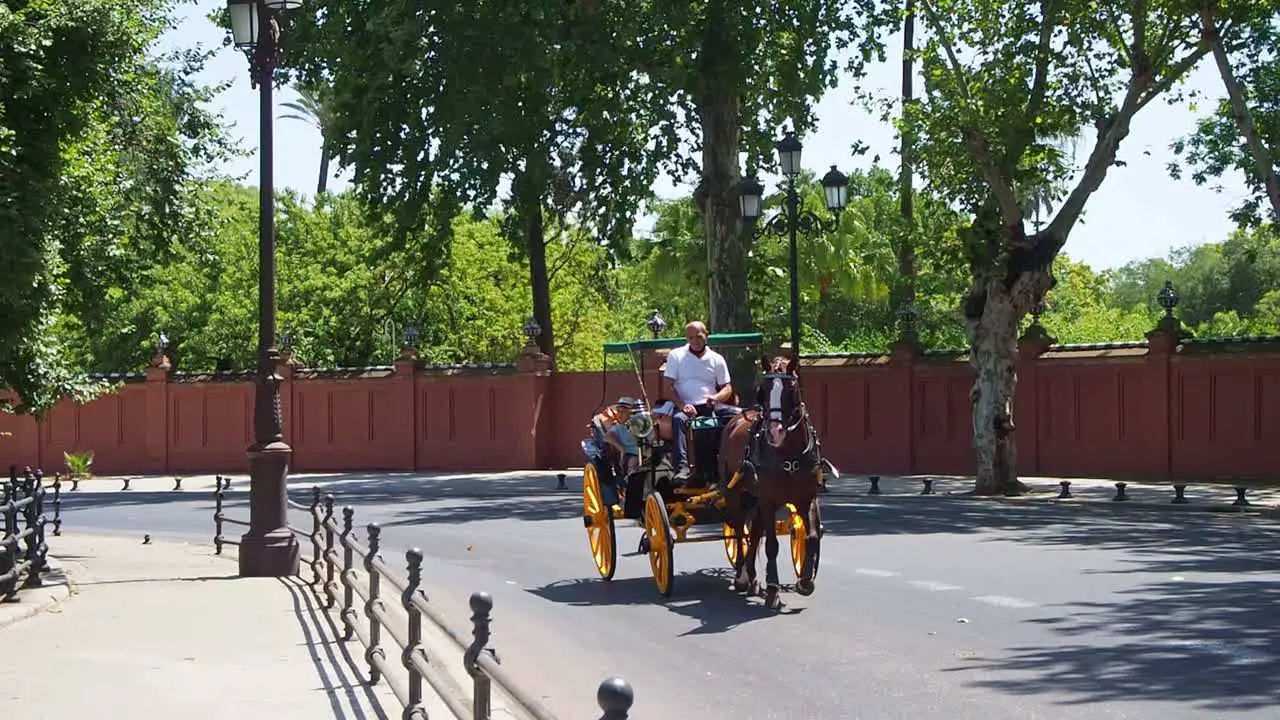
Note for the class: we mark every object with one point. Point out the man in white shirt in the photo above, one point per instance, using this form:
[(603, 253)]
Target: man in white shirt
[(696, 381)]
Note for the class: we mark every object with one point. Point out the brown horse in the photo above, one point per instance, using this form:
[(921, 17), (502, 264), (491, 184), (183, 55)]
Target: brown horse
[(769, 458)]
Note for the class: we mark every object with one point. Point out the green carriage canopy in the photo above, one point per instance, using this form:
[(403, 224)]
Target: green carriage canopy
[(715, 341)]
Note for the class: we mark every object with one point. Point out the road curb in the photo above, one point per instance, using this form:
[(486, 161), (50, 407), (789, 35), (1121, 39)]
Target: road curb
[(1047, 498), (34, 601)]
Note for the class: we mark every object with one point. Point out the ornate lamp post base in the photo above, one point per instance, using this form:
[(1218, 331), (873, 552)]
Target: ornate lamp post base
[(269, 549)]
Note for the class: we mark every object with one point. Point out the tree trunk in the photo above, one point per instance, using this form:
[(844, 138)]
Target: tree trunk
[(824, 304), (728, 240), (906, 193), (323, 183), (998, 301), (1262, 161), (539, 281)]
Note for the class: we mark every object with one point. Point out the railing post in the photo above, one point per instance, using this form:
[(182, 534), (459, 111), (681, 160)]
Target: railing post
[(40, 562), (32, 523), (316, 577), (57, 504), (9, 553), (217, 515), (375, 584), (326, 523), (615, 698), (348, 568), (481, 686), (413, 710)]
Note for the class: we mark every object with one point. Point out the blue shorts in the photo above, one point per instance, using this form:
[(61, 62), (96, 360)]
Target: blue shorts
[(620, 433)]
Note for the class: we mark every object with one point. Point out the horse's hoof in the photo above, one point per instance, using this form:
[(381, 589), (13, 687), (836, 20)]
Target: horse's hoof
[(739, 586), (753, 588), (804, 587), (772, 600)]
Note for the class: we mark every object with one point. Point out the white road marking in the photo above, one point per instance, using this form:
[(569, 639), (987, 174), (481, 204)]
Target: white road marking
[(876, 572), (1005, 601), (933, 585)]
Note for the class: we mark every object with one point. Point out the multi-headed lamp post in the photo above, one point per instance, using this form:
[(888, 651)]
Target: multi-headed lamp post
[(268, 548), (794, 219)]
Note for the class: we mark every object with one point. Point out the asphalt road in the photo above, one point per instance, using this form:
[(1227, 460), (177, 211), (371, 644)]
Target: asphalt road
[(926, 608)]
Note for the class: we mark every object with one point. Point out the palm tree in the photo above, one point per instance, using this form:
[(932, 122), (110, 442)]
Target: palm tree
[(313, 107)]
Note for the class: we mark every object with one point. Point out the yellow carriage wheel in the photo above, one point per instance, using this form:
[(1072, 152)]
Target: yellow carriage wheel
[(657, 530), (597, 516), (797, 528), (732, 545)]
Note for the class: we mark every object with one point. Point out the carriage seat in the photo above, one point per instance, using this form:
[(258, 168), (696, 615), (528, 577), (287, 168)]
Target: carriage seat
[(703, 438)]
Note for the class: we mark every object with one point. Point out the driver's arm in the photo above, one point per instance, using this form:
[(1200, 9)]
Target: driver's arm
[(725, 394), (724, 387)]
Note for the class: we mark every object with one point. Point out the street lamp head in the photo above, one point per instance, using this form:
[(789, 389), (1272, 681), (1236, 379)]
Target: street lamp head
[(750, 198), (244, 23), (656, 323), (410, 336), (835, 185), (532, 330), (789, 148), (282, 4)]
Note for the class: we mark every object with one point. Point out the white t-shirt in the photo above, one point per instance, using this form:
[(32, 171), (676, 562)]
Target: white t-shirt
[(696, 377)]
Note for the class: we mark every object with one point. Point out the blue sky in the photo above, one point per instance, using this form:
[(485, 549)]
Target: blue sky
[(1139, 211)]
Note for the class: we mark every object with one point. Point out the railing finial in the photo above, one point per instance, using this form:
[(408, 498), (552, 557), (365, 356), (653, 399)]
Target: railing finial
[(615, 698)]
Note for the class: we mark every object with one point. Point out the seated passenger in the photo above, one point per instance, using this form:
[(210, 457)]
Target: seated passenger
[(609, 427), (697, 381)]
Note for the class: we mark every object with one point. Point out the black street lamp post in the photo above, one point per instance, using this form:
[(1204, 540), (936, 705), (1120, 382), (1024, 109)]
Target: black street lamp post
[(268, 549), (794, 219)]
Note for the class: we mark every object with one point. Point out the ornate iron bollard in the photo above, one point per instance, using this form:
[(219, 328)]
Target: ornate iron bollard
[(1241, 500), (1120, 496), (615, 698), (1065, 494), (875, 485), (374, 653), (348, 574), (1180, 494), (481, 622), (928, 486), (330, 556)]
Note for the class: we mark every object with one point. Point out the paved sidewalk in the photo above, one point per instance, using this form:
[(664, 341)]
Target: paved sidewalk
[(1213, 497), (166, 630)]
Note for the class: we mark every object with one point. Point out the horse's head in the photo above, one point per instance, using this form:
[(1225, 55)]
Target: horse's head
[(778, 397)]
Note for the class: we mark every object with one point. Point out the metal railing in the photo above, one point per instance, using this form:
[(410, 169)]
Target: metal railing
[(24, 550), (337, 561)]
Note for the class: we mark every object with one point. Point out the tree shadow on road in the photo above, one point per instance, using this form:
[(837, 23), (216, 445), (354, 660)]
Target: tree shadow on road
[(458, 512), (1212, 645), (1153, 539), (704, 596)]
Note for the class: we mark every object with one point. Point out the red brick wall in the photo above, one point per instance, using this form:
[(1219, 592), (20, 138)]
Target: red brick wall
[(1200, 410)]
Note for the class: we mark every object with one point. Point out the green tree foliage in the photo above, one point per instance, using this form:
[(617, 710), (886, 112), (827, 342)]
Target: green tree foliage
[(1243, 133), (344, 300), (102, 148), (1004, 83)]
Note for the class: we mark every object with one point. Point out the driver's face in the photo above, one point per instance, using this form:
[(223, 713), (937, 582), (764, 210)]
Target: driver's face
[(697, 338)]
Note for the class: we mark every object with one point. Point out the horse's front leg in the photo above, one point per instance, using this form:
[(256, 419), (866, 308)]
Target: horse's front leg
[(750, 583), (773, 586)]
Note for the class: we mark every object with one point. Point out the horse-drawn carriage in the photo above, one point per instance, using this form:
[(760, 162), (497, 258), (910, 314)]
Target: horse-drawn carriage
[(672, 511)]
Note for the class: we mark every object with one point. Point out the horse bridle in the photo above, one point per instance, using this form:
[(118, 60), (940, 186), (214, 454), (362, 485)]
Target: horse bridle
[(799, 415)]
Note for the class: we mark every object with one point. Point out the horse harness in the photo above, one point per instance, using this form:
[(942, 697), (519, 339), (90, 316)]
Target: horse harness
[(759, 454)]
